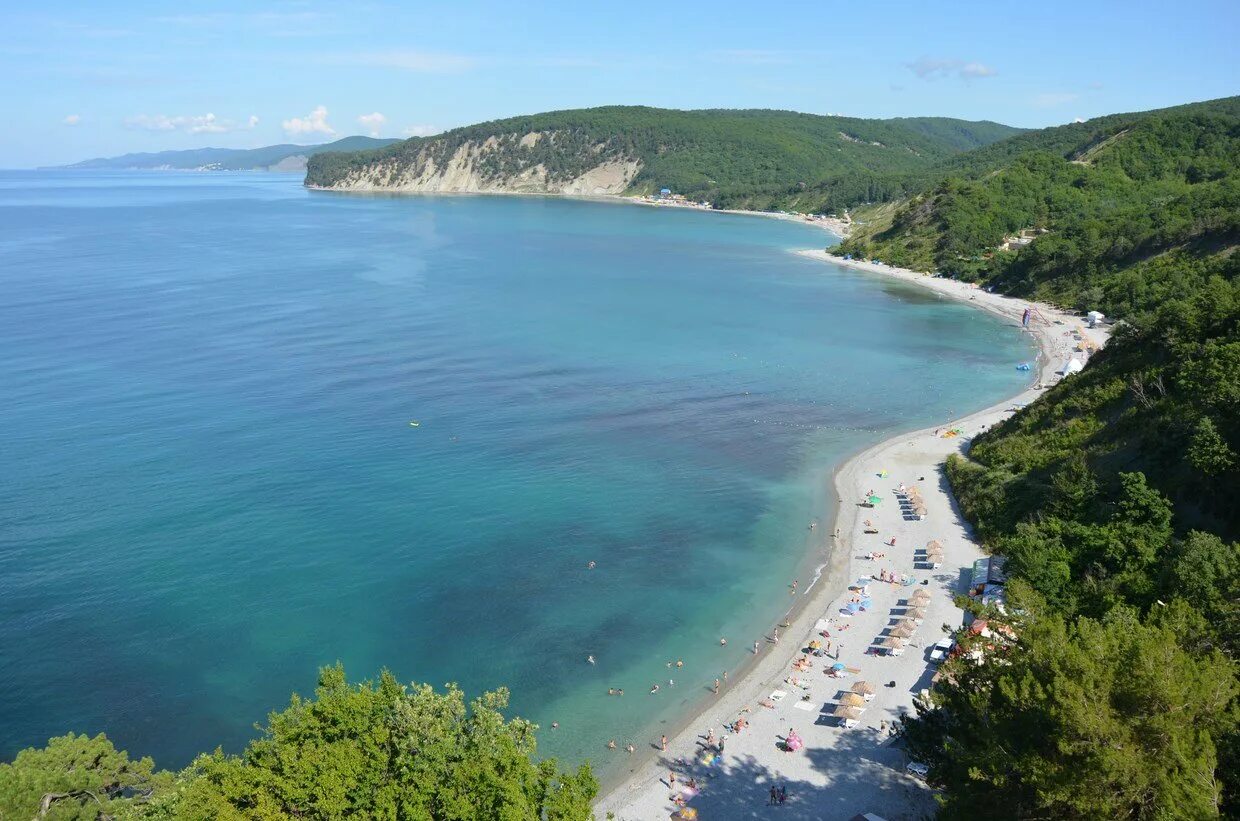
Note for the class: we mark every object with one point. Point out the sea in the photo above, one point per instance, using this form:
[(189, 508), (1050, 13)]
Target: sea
[(249, 430)]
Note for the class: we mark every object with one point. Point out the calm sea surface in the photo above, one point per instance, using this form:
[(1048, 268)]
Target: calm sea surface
[(211, 485)]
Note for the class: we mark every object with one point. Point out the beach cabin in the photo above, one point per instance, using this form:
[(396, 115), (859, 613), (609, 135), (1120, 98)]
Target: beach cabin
[(664, 193)]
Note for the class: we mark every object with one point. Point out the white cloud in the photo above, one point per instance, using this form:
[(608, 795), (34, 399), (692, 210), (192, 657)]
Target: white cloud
[(373, 123), (932, 68), (420, 131), (72, 119), (314, 123), (201, 124), (1054, 98), (424, 62)]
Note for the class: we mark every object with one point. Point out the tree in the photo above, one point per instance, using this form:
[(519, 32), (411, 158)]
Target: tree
[(383, 750), (1088, 718), (78, 777), (1207, 451)]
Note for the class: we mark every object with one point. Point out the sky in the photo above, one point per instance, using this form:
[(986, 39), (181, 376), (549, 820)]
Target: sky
[(89, 79)]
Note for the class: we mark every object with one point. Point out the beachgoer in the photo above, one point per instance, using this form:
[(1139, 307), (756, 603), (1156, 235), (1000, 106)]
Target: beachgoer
[(716, 686), (663, 743), (654, 689), (755, 648), (679, 663), (710, 736), (671, 778), (723, 642), (725, 676), (611, 744), (590, 565), (630, 748), (892, 543), (783, 793), (590, 659), (721, 740), (774, 796), (671, 682), (555, 725), (611, 691)]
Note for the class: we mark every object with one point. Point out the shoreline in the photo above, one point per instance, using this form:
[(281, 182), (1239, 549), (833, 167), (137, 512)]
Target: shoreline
[(888, 792)]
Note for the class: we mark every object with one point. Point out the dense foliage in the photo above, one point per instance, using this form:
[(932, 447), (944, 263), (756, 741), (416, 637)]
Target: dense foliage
[(734, 158), (1113, 496), (1081, 718), (374, 750)]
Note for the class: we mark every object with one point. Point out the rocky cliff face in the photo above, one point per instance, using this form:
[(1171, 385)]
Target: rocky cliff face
[(509, 163)]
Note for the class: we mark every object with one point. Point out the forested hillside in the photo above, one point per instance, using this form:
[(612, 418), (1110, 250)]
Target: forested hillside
[(732, 158), (1113, 496)]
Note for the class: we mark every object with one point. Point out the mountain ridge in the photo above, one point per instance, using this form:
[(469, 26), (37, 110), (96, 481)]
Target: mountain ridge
[(720, 155), (280, 157)]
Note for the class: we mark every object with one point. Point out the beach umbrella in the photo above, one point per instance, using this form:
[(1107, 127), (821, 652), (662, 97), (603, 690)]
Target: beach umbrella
[(875, 500), (839, 665), (815, 644), (852, 700), (915, 613), (920, 510), (903, 630), (847, 713), (686, 814), (892, 642), (864, 688), (934, 543)]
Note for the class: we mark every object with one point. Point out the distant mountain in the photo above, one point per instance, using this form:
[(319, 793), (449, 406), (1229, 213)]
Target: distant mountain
[(733, 158), (285, 157)]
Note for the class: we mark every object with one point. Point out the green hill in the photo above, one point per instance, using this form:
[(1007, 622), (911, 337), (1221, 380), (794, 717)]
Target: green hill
[(1113, 496), (732, 158), (292, 157)]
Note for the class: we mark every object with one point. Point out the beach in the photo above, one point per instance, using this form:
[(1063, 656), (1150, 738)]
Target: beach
[(842, 772)]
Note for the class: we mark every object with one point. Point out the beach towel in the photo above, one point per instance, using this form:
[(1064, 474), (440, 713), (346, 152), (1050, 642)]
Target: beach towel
[(807, 706), (778, 695)]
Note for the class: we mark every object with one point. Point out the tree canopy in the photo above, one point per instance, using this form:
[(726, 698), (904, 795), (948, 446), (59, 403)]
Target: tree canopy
[(371, 750)]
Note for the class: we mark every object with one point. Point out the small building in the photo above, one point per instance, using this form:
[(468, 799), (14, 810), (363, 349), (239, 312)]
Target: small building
[(1095, 318), (664, 193)]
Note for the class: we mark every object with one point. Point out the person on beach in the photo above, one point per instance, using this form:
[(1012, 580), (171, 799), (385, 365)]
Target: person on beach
[(774, 797), (671, 779), (716, 686), (755, 648), (725, 676), (663, 743), (721, 740)]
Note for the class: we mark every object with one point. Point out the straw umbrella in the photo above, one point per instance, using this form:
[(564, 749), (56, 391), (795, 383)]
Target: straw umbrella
[(892, 643), (847, 713), (917, 614), (903, 630), (934, 543), (852, 700), (864, 689), (919, 595)]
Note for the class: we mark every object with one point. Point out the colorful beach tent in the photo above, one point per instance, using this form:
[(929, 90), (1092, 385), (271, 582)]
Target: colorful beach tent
[(875, 500)]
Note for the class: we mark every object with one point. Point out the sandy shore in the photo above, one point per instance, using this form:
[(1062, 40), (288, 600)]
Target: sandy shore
[(841, 773)]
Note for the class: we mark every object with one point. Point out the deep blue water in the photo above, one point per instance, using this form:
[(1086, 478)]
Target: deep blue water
[(211, 485)]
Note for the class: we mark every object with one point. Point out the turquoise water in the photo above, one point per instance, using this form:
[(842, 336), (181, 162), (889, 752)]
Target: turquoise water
[(212, 487)]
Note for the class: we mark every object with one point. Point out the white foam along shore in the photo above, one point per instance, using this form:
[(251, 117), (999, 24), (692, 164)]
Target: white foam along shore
[(843, 772)]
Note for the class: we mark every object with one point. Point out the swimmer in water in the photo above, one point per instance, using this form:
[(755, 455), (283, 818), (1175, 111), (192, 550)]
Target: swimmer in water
[(590, 659), (654, 689), (590, 565)]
